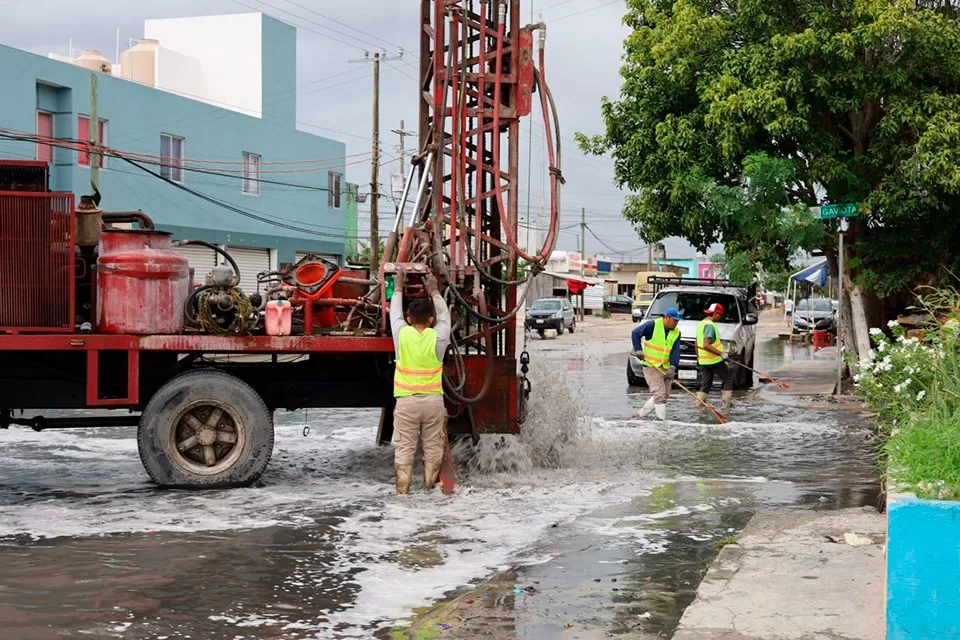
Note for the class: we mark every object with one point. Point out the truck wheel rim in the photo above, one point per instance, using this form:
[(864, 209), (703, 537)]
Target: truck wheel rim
[(208, 437)]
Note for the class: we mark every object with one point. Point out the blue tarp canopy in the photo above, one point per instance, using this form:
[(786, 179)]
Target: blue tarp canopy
[(814, 274)]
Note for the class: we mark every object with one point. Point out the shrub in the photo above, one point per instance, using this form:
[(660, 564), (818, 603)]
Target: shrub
[(913, 385)]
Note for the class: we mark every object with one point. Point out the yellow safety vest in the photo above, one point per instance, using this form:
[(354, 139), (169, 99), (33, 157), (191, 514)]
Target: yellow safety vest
[(656, 349), (418, 371), (705, 357)]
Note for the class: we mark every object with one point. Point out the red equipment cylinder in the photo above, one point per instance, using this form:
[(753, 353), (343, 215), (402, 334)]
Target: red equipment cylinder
[(142, 283)]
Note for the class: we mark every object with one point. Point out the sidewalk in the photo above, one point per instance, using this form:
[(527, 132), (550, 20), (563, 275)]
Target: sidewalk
[(786, 580)]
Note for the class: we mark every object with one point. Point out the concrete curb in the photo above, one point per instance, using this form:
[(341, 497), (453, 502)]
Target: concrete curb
[(786, 579)]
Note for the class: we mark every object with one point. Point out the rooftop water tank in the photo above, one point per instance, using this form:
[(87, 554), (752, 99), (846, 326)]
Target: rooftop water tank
[(94, 61), (139, 63)]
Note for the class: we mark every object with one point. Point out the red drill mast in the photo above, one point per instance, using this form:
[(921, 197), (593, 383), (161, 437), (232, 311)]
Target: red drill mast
[(479, 77)]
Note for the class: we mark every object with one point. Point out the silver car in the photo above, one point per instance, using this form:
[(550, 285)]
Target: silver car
[(814, 314), (737, 330), (551, 313)]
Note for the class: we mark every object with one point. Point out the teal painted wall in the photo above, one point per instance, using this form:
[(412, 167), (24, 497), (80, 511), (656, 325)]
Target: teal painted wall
[(923, 569), (137, 115)]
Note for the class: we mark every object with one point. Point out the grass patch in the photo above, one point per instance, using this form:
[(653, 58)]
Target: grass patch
[(723, 542), (924, 457)]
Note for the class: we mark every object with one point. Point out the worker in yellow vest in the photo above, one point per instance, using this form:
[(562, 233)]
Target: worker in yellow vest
[(420, 339), (711, 357), (657, 343)]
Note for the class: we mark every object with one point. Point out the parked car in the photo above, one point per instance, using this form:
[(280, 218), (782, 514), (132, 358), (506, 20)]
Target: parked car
[(737, 330), (551, 313), (617, 304), (814, 314)]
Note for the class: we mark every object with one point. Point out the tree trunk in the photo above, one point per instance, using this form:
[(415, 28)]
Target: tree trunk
[(859, 323), (848, 335)]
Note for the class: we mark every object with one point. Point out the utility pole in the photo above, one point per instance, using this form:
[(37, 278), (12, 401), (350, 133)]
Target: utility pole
[(583, 254), (94, 133), (403, 133), (377, 58)]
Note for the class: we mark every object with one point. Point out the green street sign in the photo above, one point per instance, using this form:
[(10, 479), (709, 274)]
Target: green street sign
[(831, 211)]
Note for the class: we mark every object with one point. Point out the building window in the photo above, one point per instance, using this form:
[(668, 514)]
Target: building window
[(171, 157), (45, 129), (251, 173), (334, 191), (83, 133)]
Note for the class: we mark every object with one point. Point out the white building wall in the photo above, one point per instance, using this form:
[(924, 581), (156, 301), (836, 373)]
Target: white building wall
[(228, 50), (181, 74)]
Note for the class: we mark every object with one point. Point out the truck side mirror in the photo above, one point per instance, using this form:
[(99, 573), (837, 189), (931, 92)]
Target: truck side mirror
[(751, 318)]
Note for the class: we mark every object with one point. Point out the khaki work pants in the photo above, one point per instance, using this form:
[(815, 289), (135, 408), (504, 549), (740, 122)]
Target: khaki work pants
[(659, 383), (416, 417)]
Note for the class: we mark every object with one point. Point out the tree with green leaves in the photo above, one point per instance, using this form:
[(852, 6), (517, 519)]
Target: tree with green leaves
[(841, 101)]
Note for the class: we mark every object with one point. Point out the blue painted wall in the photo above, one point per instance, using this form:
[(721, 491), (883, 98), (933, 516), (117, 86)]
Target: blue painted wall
[(137, 115), (923, 569)]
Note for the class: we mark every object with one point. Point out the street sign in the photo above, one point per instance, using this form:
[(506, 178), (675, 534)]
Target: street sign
[(831, 211)]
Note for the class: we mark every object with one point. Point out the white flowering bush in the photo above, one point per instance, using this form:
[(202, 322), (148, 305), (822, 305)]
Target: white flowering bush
[(913, 385), (896, 379)]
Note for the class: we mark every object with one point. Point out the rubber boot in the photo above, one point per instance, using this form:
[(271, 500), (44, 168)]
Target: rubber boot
[(727, 398), (431, 472), (404, 473), (702, 396), (645, 409), (661, 411)]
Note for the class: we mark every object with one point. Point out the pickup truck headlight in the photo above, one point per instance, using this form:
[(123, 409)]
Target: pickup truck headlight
[(731, 347)]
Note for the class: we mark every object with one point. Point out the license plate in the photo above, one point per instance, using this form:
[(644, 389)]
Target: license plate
[(687, 374), (539, 321)]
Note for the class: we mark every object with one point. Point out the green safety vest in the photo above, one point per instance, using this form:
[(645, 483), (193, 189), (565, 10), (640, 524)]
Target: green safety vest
[(418, 371), (656, 349), (705, 357)]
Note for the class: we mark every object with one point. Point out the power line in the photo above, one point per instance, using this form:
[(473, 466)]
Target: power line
[(577, 13), (78, 145), (326, 17), (229, 207), (319, 33)]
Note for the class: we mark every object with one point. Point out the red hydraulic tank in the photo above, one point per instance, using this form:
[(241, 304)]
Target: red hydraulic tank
[(142, 283)]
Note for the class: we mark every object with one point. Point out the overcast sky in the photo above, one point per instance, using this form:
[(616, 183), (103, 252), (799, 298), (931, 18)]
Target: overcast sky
[(584, 40)]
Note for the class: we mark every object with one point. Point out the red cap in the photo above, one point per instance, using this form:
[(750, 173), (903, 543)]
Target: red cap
[(716, 307)]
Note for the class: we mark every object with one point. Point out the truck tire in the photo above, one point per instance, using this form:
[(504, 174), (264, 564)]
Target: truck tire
[(205, 430), (632, 379), (743, 378)]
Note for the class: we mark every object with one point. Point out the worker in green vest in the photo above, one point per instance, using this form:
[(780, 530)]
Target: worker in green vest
[(420, 339), (657, 344), (711, 357)]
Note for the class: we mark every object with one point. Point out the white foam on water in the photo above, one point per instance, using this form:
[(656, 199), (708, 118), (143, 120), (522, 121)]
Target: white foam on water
[(394, 553), (668, 513)]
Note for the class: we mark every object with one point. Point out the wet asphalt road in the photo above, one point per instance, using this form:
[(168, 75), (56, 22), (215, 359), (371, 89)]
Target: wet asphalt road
[(610, 532)]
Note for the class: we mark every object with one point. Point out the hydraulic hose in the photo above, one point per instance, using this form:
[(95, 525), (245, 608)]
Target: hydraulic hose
[(488, 374), (210, 245), (544, 253)]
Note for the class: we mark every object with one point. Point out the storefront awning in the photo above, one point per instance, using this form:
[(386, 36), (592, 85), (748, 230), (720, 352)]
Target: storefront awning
[(814, 274)]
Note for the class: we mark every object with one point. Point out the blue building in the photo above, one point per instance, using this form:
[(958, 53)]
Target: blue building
[(210, 118)]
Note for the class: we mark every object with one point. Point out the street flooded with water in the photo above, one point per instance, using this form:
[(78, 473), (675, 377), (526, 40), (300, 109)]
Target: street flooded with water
[(589, 523)]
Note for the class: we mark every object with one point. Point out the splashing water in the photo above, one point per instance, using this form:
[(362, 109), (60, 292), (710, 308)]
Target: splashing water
[(554, 436)]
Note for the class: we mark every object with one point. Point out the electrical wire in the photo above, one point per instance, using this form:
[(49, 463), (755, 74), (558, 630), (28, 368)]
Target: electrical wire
[(243, 212), (110, 152)]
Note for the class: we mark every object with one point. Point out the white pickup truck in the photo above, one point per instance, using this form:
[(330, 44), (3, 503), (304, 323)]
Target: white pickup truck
[(737, 330)]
